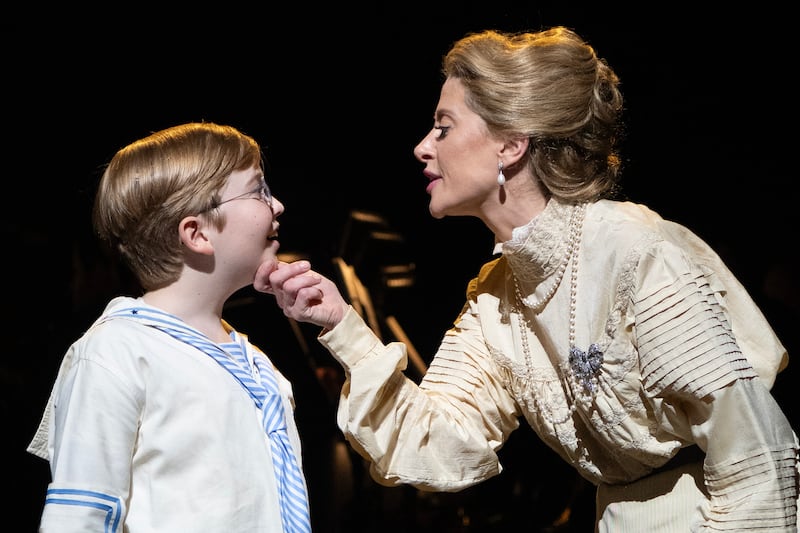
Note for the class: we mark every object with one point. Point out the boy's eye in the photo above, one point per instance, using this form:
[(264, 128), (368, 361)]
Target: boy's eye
[(442, 131)]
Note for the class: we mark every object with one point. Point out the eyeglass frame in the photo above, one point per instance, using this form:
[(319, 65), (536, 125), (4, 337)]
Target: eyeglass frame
[(264, 194)]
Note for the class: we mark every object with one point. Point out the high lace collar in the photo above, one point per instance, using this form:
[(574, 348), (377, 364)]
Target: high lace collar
[(537, 249)]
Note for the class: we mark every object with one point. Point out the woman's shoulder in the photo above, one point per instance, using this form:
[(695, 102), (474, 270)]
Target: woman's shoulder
[(631, 214), (625, 226), (613, 224)]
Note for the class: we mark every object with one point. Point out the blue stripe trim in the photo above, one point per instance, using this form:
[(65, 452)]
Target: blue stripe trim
[(177, 328), (113, 508), (266, 394)]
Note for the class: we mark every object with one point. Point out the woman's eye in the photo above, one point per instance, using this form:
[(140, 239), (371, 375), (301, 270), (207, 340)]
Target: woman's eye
[(442, 131)]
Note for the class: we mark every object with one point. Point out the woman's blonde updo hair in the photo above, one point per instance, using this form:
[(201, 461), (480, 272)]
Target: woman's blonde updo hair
[(150, 185), (551, 87)]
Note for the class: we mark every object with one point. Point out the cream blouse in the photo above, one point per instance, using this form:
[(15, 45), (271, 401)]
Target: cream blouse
[(668, 350)]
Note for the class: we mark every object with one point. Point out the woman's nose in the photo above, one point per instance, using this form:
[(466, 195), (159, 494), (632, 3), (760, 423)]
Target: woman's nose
[(422, 150)]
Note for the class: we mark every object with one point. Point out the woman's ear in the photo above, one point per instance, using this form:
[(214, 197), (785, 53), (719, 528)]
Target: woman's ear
[(513, 150), (192, 233)]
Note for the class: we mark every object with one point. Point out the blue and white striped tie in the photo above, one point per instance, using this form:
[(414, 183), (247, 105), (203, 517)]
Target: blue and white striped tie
[(265, 394)]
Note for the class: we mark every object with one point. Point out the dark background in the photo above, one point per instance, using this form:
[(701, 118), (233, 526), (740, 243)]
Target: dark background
[(338, 96)]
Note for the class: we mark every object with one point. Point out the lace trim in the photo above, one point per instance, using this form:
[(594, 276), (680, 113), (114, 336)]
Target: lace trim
[(543, 384), (538, 249)]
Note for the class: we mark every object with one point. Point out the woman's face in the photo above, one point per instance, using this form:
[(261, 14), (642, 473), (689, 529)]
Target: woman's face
[(460, 157)]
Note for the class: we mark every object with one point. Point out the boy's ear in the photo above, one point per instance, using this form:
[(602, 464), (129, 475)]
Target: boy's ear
[(191, 231)]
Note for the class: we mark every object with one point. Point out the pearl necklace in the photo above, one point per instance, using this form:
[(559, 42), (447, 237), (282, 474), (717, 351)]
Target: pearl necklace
[(575, 226), (583, 367)]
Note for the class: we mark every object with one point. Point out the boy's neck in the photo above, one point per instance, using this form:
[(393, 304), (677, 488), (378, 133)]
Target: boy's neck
[(201, 311)]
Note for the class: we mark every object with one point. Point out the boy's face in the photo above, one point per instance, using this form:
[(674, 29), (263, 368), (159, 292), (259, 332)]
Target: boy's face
[(249, 237)]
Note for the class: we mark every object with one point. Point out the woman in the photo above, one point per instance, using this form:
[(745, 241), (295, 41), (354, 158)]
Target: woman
[(620, 337)]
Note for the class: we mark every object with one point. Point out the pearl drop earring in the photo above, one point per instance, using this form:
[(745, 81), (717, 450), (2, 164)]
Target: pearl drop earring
[(501, 178)]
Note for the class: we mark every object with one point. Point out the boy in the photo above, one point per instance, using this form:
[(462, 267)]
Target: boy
[(162, 416)]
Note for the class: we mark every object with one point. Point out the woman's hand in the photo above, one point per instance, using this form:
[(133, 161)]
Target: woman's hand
[(303, 294)]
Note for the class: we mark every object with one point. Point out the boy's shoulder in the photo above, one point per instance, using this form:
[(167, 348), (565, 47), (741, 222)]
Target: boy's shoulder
[(114, 335)]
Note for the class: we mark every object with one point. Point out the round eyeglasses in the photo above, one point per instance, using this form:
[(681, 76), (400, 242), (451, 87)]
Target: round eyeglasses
[(262, 191)]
